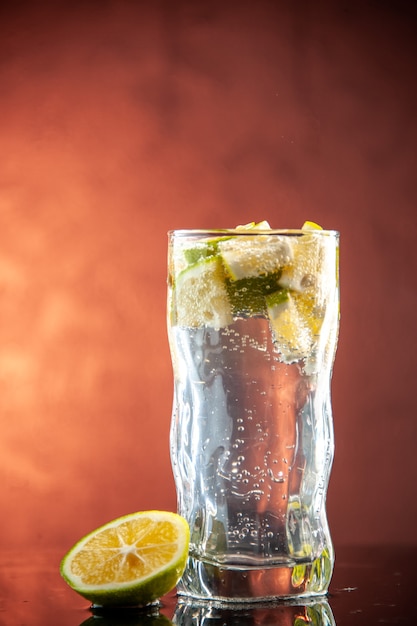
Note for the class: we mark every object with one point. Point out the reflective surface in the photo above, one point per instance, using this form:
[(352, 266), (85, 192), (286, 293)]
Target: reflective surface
[(370, 586)]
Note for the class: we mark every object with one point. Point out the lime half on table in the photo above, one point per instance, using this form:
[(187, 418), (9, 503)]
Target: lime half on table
[(133, 560)]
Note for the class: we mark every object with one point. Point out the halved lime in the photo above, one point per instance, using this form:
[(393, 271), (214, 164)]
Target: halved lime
[(133, 560)]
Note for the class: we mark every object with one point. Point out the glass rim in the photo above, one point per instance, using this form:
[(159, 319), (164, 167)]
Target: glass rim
[(251, 232)]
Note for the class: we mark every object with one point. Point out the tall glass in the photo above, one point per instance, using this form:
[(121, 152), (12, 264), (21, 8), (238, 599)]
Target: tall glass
[(253, 322)]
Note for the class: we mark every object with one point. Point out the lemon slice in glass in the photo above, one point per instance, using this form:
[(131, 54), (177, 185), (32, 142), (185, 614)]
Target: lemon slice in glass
[(133, 560)]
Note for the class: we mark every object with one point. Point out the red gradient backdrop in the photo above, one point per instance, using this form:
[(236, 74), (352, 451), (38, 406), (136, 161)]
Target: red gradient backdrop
[(120, 120)]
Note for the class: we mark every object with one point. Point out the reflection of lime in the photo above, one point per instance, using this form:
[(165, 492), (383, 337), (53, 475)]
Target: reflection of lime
[(314, 617), (217, 541), (123, 618), (201, 296), (132, 560)]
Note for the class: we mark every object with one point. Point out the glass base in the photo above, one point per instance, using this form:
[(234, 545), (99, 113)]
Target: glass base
[(220, 583)]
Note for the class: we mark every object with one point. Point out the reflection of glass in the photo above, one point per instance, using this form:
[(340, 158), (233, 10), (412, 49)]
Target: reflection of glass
[(253, 323), (314, 614)]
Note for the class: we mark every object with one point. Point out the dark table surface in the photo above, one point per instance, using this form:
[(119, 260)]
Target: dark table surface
[(370, 585)]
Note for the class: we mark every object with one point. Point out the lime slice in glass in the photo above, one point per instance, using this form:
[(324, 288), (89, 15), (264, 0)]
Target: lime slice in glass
[(200, 295), (264, 225), (247, 295), (311, 226), (290, 329), (245, 257)]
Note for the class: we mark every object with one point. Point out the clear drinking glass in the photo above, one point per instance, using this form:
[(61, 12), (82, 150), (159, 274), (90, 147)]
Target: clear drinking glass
[(253, 321)]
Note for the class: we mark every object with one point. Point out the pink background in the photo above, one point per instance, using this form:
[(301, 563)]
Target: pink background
[(120, 120)]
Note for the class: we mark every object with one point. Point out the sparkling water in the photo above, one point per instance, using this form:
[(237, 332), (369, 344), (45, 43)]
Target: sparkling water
[(252, 447)]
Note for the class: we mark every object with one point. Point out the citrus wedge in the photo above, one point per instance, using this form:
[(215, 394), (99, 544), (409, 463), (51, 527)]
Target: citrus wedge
[(201, 295), (307, 263), (133, 560), (311, 226), (200, 251), (247, 295), (245, 257), (264, 225), (209, 247), (290, 329)]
